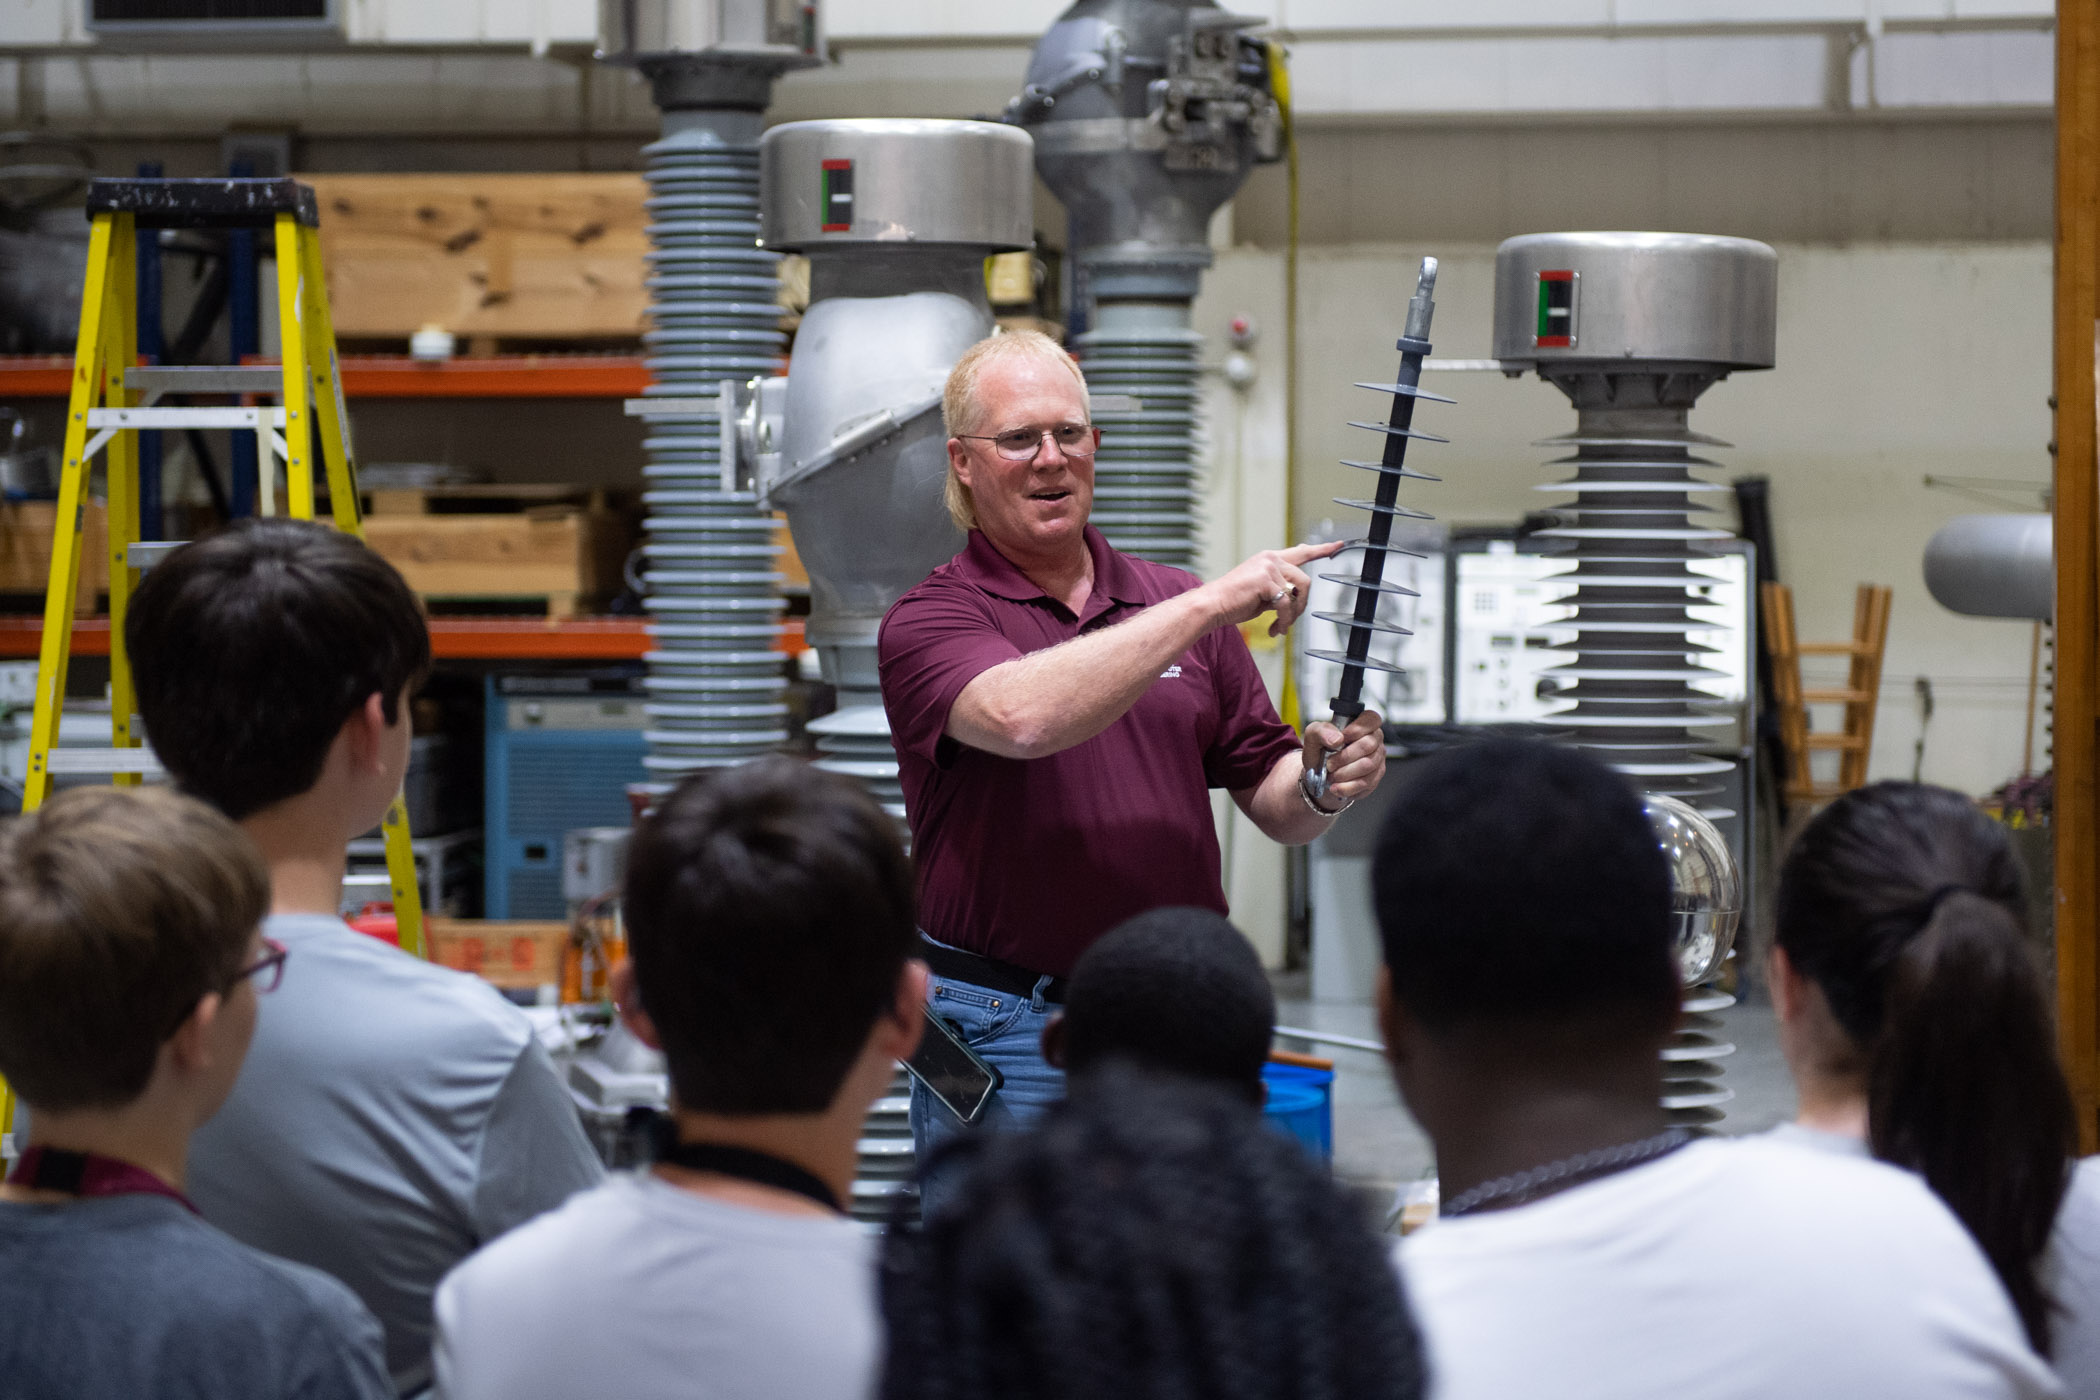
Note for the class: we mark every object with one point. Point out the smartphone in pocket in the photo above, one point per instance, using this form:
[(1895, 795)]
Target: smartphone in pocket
[(951, 1071)]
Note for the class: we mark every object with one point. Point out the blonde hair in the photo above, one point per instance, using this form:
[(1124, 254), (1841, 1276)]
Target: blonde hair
[(119, 909), (960, 409)]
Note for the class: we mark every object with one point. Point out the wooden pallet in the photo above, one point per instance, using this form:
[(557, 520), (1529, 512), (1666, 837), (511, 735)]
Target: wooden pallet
[(480, 498), (564, 554), (507, 257)]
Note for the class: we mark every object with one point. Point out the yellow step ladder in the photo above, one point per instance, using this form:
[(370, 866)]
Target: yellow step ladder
[(113, 398)]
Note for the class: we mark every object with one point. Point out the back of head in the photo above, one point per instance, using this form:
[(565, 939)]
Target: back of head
[(769, 914), (1519, 885), (252, 645), (1177, 990), (119, 909), (962, 412), (1904, 905), (1152, 1238)]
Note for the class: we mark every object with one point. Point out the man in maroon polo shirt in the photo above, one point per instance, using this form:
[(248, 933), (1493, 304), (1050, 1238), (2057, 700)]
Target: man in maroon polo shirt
[(1060, 712)]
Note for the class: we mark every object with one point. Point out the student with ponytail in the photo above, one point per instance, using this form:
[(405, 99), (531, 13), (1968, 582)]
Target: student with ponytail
[(1918, 1028)]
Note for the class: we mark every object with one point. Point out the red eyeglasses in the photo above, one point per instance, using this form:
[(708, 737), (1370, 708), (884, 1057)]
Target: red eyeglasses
[(267, 970)]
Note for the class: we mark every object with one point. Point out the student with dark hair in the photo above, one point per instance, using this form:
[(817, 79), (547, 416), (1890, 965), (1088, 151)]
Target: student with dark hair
[(1586, 1248), (394, 1115), (130, 965), (1176, 991), (1918, 1028), (770, 922), (1151, 1238)]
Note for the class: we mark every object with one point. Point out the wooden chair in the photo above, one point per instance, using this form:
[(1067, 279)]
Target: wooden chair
[(1854, 739)]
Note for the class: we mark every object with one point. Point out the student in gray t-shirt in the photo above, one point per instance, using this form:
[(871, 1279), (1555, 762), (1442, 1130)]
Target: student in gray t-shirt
[(394, 1116), (130, 963), (769, 913)]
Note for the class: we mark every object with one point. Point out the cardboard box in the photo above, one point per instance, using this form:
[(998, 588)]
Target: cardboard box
[(505, 952)]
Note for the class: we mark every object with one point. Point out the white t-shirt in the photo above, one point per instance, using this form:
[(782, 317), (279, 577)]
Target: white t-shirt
[(2071, 1273), (645, 1291), (1726, 1271), (392, 1117), (2070, 1267)]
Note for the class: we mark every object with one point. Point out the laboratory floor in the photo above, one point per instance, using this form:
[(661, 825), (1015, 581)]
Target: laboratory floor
[(1378, 1147)]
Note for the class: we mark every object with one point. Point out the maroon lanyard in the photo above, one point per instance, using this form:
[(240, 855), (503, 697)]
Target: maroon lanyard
[(86, 1174)]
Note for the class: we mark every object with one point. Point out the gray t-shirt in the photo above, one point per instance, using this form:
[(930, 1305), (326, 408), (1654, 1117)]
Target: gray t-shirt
[(134, 1298), (645, 1291), (392, 1117)]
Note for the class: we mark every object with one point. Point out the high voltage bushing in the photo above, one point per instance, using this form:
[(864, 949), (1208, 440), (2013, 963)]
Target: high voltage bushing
[(716, 682), (896, 217), (1633, 328), (1147, 116)]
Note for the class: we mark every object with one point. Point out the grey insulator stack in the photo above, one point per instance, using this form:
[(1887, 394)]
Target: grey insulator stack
[(1147, 116), (1633, 327), (1141, 363), (716, 683)]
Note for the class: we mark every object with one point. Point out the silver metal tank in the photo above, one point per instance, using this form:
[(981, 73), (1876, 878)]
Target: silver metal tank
[(1994, 566), (1148, 116), (716, 682), (896, 218), (1633, 327)]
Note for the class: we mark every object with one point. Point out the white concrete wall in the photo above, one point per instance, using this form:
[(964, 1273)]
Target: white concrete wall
[(1895, 362)]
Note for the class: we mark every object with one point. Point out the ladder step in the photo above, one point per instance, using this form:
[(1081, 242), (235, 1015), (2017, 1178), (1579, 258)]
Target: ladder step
[(207, 379), (1837, 741), (104, 763), (1837, 697), (211, 202), (219, 416)]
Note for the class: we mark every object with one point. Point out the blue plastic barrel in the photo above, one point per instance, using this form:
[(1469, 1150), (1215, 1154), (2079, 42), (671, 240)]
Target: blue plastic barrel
[(1301, 1105)]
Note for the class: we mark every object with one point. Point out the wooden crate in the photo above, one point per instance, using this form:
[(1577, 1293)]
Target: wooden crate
[(519, 256), (564, 554), (505, 952), (26, 529)]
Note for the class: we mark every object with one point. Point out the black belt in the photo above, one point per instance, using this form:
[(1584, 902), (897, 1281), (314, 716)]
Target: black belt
[(981, 971)]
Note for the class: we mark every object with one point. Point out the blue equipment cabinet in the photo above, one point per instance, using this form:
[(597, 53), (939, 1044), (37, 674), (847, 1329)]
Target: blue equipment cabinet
[(561, 752)]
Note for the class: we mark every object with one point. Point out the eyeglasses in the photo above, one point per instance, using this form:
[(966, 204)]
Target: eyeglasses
[(1022, 444), (267, 970)]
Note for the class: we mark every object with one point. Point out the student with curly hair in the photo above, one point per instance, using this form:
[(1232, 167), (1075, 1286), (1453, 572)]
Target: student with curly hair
[(1175, 991), (1152, 1238)]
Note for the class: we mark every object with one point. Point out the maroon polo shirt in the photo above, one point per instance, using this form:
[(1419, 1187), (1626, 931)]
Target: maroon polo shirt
[(1031, 860)]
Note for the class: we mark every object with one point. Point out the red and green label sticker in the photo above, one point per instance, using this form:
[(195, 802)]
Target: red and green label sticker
[(1556, 328), (836, 196)]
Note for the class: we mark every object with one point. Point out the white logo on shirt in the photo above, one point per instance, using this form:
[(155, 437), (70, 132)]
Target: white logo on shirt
[(1171, 673)]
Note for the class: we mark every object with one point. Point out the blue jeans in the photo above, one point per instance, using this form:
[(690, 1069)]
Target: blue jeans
[(1008, 1032)]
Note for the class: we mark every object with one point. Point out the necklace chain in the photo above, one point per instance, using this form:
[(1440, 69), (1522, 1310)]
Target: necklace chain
[(1602, 1161)]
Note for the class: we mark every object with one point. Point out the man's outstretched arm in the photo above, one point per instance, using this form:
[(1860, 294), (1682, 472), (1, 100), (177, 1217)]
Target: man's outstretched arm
[(1050, 700)]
